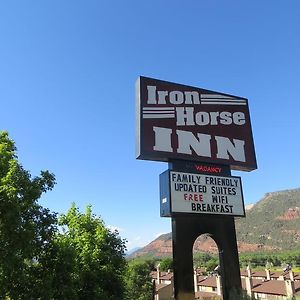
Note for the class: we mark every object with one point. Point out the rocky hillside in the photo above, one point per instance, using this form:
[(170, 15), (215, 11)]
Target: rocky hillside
[(273, 223)]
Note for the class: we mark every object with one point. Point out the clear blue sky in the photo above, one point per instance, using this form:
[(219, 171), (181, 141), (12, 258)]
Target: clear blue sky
[(67, 75)]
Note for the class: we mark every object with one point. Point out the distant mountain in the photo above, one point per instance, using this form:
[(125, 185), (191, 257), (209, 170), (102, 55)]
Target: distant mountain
[(133, 250), (249, 206), (273, 223)]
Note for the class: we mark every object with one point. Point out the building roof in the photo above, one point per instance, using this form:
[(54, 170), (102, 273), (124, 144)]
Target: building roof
[(209, 281), (273, 287), (259, 282), (162, 275), (274, 275), (200, 271), (260, 274)]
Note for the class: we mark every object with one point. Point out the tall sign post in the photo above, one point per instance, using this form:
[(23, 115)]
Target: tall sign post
[(203, 135)]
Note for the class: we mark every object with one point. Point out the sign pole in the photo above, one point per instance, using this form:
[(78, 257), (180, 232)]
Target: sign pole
[(185, 230), (182, 260)]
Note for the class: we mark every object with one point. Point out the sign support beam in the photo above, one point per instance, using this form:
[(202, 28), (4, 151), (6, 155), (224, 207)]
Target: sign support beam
[(185, 230)]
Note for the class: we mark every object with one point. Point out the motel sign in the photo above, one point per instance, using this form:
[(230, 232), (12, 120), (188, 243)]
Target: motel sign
[(176, 121), (203, 135)]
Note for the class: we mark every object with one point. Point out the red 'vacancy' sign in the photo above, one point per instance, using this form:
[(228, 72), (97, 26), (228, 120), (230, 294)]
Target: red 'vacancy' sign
[(176, 121)]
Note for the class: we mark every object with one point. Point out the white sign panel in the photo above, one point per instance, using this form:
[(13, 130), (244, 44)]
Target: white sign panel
[(206, 194)]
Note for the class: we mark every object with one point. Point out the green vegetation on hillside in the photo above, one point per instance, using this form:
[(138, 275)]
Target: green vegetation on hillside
[(268, 224), (258, 260), (274, 260), (205, 260)]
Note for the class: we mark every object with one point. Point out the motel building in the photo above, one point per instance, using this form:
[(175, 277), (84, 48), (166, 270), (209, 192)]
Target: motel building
[(260, 284)]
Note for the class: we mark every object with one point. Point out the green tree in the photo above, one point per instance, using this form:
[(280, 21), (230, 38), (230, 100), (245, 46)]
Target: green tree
[(84, 260), (202, 258), (211, 264), (166, 264), (26, 228), (138, 281), (58, 265), (93, 255)]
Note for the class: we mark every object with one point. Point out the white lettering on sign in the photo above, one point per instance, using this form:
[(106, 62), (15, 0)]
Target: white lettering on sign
[(225, 147), (199, 193), (201, 144), (185, 116), (174, 97), (187, 141), (162, 140)]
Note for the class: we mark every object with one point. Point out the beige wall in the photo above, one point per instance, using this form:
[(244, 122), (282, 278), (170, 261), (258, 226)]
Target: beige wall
[(165, 293)]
